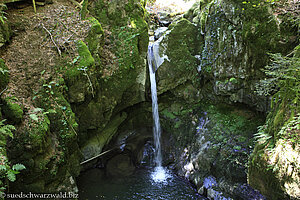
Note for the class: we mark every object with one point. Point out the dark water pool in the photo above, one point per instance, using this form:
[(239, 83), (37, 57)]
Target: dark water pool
[(143, 184)]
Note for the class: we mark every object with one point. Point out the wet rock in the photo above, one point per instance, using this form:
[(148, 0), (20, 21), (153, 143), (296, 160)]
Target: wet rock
[(120, 165), (159, 32), (216, 142)]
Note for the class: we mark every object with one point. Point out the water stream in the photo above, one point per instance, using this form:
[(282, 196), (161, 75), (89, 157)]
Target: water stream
[(159, 174), (156, 125)]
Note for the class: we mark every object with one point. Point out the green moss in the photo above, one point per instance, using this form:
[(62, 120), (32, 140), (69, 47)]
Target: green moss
[(118, 14), (262, 33), (86, 62), (95, 38), (12, 111), (84, 11), (168, 114), (4, 75), (86, 59)]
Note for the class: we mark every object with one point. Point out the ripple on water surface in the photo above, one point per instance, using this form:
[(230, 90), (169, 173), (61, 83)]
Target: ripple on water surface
[(157, 184)]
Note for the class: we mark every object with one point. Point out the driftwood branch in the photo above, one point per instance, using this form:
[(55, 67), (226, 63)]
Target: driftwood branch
[(59, 51), (101, 154)]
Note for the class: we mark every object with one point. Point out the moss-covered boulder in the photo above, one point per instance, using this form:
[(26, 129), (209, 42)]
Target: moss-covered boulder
[(95, 39), (117, 41), (177, 49), (206, 141), (94, 145), (78, 76), (4, 75), (12, 110), (47, 144), (237, 37), (276, 173)]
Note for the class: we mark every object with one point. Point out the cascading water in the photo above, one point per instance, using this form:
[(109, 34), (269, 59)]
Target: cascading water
[(156, 125), (159, 174)]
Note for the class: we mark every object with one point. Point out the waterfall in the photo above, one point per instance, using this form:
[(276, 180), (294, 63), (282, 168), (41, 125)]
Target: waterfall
[(159, 174), (156, 125)]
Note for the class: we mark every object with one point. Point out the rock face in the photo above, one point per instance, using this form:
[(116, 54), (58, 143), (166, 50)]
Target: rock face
[(117, 77), (70, 125), (223, 67), (231, 46), (178, 47), (211, 142)]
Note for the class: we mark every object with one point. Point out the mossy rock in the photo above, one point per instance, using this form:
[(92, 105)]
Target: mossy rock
[(95, 144), (95, 38), (118, 14), (4, 75), (179, 46), (78, 75), (262, 177), (84, 63), (12, 111), (86, 59)]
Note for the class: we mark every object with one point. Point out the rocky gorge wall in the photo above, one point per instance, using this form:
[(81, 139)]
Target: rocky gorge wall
[(78, 110), (208, 107), (222, 46)]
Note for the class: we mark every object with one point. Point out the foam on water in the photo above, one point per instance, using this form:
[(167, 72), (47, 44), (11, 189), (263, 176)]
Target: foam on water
[(160, 174)]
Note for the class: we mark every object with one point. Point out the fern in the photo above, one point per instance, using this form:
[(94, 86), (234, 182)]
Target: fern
[(11, 176), (5, 131), (2, 168), (18, 167), (2, 13)]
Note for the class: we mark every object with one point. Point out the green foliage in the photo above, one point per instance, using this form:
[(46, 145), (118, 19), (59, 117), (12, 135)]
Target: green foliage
[(84, 11), (7, 172), (5, 131), (2, 13), (55, 109), (262, 136), (283, 82), (12, 110), (291, 130), (126, 43), (283, 77), (4, 74)]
